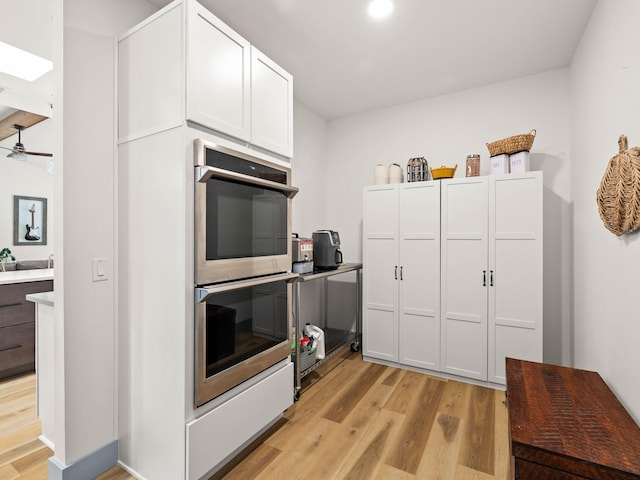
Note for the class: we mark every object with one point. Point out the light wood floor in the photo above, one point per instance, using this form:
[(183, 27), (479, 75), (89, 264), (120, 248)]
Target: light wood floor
[(22, 455), (368, 421), (359, 421)]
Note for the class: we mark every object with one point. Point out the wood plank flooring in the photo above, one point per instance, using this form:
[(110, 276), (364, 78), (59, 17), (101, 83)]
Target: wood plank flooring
[(358, 421), (368, 421), (22, 455)]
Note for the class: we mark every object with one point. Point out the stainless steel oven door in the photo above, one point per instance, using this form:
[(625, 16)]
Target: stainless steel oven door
[(242, 215), (241, 329)]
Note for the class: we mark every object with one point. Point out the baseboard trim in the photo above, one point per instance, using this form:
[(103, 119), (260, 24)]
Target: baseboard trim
[(90, 466)]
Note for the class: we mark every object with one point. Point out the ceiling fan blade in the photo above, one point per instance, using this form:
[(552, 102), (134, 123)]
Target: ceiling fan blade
[(40, 154)]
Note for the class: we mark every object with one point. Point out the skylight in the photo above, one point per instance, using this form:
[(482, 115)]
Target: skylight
[(22, 64)]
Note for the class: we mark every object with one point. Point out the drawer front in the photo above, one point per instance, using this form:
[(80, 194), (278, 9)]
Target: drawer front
[(17, 349), (15, 309), (240, 419)]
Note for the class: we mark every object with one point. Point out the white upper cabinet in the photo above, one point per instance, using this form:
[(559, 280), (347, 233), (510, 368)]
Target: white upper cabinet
[(271, 105), (150, 76), (184, 63), (218, 75), (234, 88)]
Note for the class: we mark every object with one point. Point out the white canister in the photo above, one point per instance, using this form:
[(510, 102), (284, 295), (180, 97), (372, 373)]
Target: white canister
[(500, 164), (395, 173), (519, 162), (381, 175)]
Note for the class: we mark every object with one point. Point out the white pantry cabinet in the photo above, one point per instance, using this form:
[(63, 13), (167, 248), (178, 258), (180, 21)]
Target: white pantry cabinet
[(184, 63), (468, 291), (515, 268), (464, 276), (491, 273), (401, 279)]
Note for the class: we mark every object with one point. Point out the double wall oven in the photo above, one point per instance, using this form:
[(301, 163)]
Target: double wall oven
[(243, 267)]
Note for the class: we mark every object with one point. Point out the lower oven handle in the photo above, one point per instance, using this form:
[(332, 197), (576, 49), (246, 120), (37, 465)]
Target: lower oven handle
[(204, 173), (202, 293)]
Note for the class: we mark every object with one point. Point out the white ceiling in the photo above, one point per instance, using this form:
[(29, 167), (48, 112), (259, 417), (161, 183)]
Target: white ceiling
[(344, 63)]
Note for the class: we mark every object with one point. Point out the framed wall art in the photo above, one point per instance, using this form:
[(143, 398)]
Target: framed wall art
[(29, 220)]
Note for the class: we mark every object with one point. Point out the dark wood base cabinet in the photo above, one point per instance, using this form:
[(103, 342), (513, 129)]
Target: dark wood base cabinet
[(566, 424), (17, 327)]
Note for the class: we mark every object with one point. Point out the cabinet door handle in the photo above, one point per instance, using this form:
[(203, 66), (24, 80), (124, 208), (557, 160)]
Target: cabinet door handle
[(396, 272), (491, 278), (401, 273), (484, 278)]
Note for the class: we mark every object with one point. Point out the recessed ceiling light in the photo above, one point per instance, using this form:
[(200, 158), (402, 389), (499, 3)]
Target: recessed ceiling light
[(22, 64), (380, 8)]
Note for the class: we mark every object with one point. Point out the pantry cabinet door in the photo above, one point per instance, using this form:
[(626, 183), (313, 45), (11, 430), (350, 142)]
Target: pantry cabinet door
[(271, 105), (419, 276), (380, 272), (515, 259), (464, 277), (218, 75)]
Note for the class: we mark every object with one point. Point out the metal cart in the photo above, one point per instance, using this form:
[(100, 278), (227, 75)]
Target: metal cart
[(335, 340)]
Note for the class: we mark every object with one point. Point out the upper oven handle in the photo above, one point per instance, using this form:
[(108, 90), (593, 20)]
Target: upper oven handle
[(202, 293), (204, 173)]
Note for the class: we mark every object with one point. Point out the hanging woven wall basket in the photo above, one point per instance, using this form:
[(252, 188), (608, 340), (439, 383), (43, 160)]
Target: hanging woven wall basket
[(618, 196)]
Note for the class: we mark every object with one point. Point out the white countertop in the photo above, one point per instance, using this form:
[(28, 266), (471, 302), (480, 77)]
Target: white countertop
[(43, 298), (21, 276)]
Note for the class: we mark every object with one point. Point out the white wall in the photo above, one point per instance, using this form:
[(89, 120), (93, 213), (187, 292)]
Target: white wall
[(29, 179), (605, 75), (309, 171), (84, 192), (445, 130), (309, 174)]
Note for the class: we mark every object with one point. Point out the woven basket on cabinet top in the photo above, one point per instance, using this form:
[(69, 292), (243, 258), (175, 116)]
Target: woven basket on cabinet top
[(517, 143), (618, 196)]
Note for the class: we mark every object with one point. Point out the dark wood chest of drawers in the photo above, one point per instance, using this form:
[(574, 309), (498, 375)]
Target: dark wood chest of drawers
[(17, 327), (566, 424)]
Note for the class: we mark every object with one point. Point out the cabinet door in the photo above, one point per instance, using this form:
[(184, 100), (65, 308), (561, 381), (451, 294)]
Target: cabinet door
[(515, 260), (218, 74), (464, 277), (380, 270), (151, 84), (271, 105), (419, 277)]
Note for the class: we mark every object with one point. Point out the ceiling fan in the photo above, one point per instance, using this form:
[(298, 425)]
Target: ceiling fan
[(18, 151)]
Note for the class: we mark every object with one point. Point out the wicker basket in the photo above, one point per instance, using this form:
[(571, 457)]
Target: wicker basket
[(517, 143), (618, 196)]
